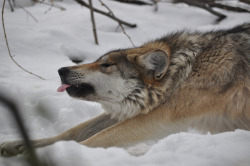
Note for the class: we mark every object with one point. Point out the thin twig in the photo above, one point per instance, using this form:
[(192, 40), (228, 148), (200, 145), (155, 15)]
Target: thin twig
[(106, 14), (9, 47), (49, 9), (11, 7), (155, 3), (93, 21), (112, 13), (29, 14), (51, 4)]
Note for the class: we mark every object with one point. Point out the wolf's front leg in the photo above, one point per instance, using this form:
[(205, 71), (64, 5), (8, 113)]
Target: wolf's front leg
[(12, 148), (142, 127), (78, 133)]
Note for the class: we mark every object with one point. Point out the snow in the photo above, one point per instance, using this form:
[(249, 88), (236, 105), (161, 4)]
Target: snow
[(44, 46)]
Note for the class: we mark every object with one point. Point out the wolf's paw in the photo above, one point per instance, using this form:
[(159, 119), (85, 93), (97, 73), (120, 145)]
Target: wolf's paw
[(8, 149)]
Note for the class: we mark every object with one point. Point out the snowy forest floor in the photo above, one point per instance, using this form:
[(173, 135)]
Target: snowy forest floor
[(60, 35)]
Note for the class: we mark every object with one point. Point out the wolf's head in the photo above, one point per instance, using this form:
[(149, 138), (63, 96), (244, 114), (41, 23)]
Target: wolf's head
[(125, 82)]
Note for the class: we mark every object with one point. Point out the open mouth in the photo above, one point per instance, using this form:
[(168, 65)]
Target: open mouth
[(81, 90)]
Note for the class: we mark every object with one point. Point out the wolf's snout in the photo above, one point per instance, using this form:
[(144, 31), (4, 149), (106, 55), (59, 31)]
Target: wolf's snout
[(63, 72)]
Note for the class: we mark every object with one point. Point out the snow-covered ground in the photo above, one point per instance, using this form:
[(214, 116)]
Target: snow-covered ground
[(44, 46)]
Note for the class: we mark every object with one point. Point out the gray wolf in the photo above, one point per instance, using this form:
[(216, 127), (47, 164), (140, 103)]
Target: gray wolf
[(180, 81)]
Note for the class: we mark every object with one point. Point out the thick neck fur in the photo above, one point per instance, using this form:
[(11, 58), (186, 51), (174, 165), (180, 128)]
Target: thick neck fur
[(197, 60), (183, 49)]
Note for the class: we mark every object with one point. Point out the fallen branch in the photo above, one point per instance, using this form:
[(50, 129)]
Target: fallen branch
[(106, 14), (93, 21), (208, 8), (202, 5), (209, 4), (245, 1), (229, 8), (9, 47), (111, 12)]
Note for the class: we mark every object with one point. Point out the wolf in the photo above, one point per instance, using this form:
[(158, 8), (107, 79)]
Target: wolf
[(183, 80)]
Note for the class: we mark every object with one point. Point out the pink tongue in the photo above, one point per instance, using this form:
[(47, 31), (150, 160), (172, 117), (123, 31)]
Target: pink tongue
[(63, 87)]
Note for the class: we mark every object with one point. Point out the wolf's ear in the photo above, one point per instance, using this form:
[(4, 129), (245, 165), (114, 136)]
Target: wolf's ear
[(155, 63)]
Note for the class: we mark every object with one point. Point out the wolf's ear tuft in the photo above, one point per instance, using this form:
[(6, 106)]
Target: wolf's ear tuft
[(155, 62)]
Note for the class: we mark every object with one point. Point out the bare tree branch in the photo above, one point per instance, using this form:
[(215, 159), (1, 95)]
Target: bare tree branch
[(112, 13), (202, 5), (136, 2), (209, 4), (106, 14), (93, 21), (245, 1), (9, 47)]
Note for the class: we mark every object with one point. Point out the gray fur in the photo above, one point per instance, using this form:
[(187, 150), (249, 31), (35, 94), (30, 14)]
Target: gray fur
[(155, 62), (96, 126)]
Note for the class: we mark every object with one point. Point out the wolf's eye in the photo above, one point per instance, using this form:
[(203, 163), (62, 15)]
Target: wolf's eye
[(107, 64)]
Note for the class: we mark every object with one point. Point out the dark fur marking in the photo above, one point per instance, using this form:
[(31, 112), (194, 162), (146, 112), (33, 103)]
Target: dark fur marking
[(95, 127), (150, 97), (82, 90)]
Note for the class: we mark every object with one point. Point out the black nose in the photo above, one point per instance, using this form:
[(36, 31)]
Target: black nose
[(63, 72)]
